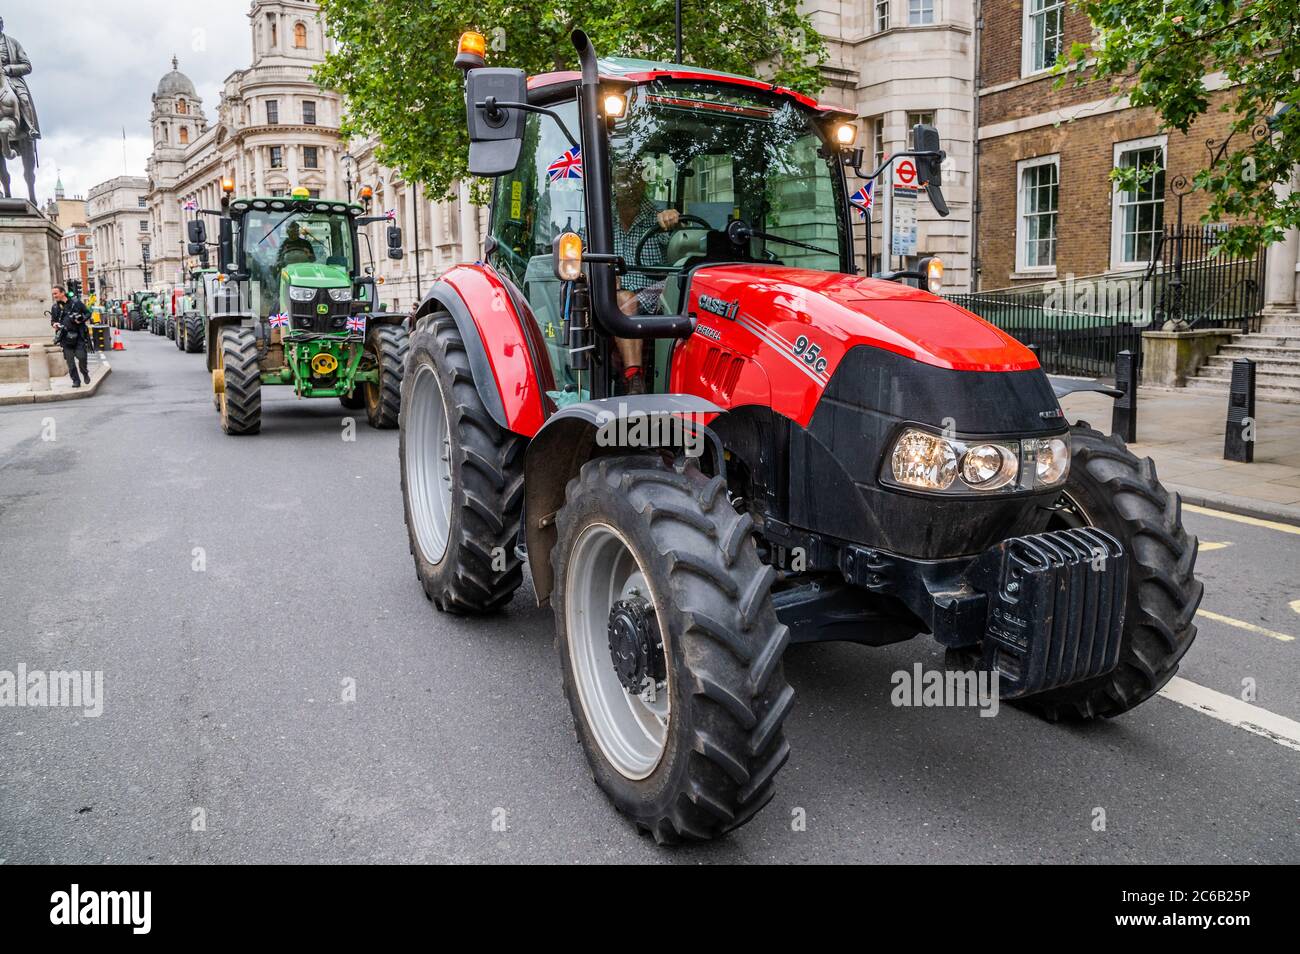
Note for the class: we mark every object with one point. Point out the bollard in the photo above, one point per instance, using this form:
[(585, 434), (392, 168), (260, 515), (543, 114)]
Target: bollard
[(1123, 415), (38, 367), (1239, 435)]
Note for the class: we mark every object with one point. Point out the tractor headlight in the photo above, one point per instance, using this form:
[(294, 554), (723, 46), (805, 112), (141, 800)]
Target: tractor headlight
[(298, 293), (924, 461), (1051, 461), (341, 294), (930, 462)]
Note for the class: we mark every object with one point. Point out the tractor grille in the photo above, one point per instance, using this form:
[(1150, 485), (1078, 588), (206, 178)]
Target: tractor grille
[(1055, 608), (306, 315)]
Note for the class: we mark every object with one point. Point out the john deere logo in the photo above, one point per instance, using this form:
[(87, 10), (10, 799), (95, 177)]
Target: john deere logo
[(324, 363), (322, 309)]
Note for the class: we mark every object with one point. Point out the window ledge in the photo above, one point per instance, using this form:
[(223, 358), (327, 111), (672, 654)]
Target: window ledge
[(1024, 273)]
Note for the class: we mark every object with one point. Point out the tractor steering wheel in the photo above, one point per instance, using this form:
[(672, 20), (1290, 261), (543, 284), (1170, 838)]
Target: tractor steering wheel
[(636, 256)]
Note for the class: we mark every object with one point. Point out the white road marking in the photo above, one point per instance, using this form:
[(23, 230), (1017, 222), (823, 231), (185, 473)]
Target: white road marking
[(1248, 627), (1242, 518), (1225, 708), (1295, 606), (1205, 546)]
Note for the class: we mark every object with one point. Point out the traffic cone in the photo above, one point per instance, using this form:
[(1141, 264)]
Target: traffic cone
[(117, 340)]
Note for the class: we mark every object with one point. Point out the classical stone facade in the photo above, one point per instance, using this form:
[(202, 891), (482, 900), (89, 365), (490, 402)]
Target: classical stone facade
[(894, 63), (275, 130), (118, 216), (29, 268)]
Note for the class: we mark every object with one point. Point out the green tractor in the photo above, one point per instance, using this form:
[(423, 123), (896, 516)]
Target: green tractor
[(293, 307), (191, 330)]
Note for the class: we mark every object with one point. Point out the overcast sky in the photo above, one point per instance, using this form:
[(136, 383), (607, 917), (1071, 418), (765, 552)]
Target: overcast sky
[(95, 63)]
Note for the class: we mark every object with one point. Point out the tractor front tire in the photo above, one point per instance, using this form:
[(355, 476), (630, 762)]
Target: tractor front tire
[(193, 334), (462, 477), (240, 403), (386, 345), (659, 586), (1112, 489), (354, 401)]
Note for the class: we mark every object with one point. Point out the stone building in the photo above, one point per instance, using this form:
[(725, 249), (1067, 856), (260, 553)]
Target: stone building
[(896, 63), (274, 130), (118, 216), (1047, 208)]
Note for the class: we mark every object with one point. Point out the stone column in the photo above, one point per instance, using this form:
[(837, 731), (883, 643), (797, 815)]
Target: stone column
[(1281, 264), (471, 248)]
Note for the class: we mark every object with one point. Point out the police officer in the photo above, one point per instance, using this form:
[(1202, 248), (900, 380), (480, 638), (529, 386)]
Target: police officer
[(69, 318)]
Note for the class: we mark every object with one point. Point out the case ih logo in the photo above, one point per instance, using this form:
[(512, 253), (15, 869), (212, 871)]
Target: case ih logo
[(716, 306)]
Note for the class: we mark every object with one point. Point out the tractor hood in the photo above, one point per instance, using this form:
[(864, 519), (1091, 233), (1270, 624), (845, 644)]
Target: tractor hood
[(837, 312), (312, 275)]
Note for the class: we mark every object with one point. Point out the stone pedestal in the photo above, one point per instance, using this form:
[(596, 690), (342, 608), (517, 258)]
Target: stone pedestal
[(29, 266), (1169, 358)]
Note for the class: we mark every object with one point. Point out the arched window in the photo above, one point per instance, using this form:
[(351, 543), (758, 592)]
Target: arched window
[(185, 135), (182, 107), (300, 35)]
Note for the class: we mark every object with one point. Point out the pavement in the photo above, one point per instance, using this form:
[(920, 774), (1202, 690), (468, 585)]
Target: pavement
[(1182, 431), (277, 688), (60, 388)]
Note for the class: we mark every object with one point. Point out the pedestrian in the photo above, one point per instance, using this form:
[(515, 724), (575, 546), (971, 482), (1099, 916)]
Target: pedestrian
[(69, 318)]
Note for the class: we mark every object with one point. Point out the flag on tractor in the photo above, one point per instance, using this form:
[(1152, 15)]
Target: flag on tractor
[(279, 320), (357, 323), (190, 205), (861, 200), (568, 166)]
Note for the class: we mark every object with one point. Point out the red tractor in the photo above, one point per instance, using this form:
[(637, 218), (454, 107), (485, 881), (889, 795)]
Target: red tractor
[(816, 454)]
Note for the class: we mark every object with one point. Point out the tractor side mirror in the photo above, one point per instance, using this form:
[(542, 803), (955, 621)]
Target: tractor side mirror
[(226, 245), (198, 232), (929, 168), (496, 133), (394, 242)]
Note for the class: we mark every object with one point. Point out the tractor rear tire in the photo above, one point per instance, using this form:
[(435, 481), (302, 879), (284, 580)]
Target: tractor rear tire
[(462, 477), (177, 327), (169, 329), (1111, 489), (387, 346), (193, 334), (697, 758), (240, 404)]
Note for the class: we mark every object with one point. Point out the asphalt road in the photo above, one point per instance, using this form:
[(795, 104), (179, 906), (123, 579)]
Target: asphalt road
[(224, 686)]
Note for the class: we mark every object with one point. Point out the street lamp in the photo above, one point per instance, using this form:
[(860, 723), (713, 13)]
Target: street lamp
[(348, 164)]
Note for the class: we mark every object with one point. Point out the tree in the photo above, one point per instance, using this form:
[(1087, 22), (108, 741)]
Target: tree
[(1160, 52), (393, 61)]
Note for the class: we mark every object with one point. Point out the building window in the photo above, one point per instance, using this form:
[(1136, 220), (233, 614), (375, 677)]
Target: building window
[(882, 15), (300, 36), (141, 202), (920, 12), (144, 225), (1138, 216), (1037, 204), (314, 193), (1044, 30), (877, 127), (309, 112), (272, 111), (185, 135), (275, 30), (925, 117), (276, 193), (277, 157), (310, 157), (182, 107)]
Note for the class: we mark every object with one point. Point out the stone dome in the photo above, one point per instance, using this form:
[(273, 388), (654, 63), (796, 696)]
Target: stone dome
[(176, 83)]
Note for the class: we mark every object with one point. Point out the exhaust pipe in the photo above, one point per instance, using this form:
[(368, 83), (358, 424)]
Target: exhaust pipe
[(600, 215)]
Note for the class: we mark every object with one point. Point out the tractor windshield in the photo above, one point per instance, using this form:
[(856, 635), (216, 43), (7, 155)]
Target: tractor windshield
[(714, 153), (273, 239)]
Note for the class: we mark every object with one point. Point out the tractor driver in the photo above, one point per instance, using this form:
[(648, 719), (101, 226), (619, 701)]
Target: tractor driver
[(635, 216), (296, 249)]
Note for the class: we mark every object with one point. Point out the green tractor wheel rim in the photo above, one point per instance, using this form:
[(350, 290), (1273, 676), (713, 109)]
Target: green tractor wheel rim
[(631, 730), (428, 462)]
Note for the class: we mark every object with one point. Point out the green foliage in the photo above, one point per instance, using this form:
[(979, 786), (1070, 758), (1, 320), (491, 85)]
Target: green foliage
[(1160, 52), (393, 61)]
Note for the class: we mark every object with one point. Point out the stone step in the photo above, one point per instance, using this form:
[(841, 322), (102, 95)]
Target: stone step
[(1220, 386), (1263, 375), (1272, 328), (1265, 363), (1264, 351), (1275, 339)]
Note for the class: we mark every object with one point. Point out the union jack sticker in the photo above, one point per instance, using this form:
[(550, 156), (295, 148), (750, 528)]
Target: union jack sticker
[(279, 320), (357, 323)]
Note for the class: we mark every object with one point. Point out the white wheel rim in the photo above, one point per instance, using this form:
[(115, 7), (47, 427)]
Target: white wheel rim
[(428, 465), (630, 730)]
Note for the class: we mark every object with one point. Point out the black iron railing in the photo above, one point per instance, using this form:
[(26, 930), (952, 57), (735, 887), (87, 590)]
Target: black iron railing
[(1078, 325)]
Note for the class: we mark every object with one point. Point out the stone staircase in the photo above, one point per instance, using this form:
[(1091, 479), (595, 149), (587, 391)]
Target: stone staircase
[(1275, 349)]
